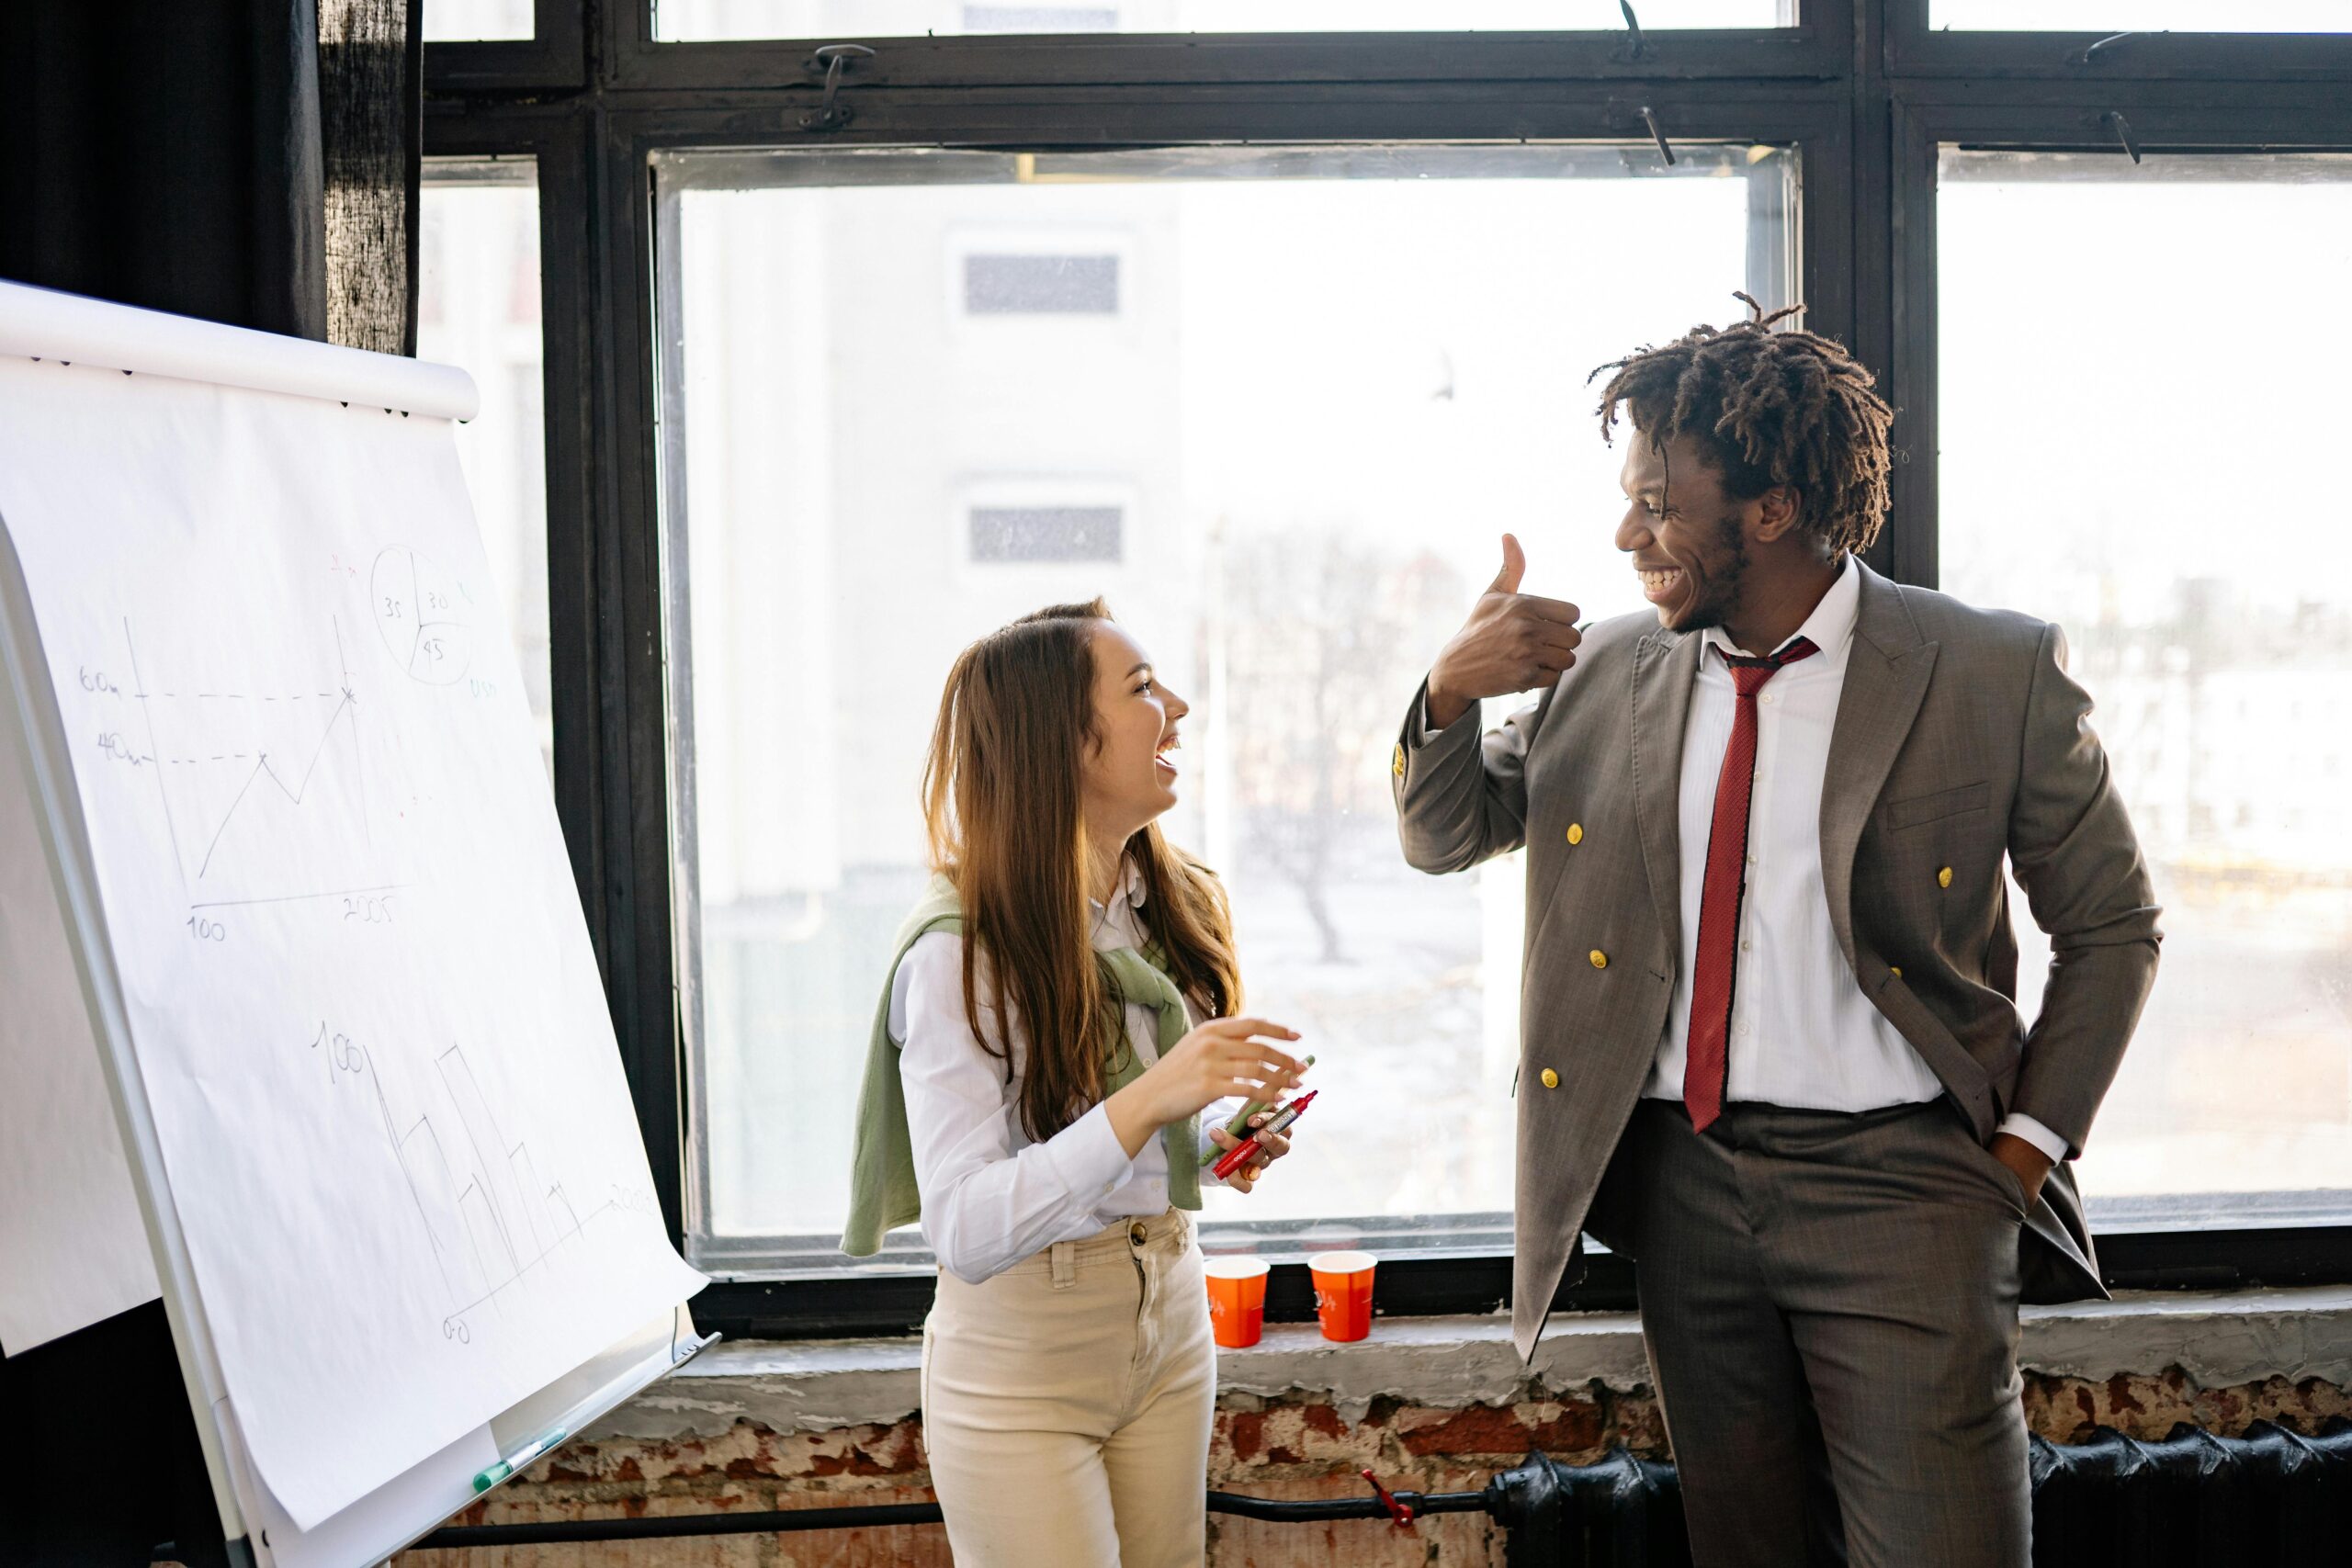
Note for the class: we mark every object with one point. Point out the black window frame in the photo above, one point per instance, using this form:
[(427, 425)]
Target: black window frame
[(1863, 88)]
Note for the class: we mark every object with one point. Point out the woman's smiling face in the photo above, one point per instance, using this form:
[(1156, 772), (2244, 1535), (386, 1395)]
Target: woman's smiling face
[(1130, 776)]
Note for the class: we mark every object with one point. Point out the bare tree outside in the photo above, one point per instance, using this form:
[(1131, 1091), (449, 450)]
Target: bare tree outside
[(1328, 633)]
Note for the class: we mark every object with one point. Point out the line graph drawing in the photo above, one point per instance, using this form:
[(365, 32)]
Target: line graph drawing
[(251, 780), (492, 1221), (423, 615)]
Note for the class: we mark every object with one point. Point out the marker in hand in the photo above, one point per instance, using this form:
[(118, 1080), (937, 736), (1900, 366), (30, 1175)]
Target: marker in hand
[(1244, 1152), (1239, 1126)]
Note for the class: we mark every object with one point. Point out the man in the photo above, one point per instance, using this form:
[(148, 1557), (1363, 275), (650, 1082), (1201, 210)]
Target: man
[(1769, 1044)]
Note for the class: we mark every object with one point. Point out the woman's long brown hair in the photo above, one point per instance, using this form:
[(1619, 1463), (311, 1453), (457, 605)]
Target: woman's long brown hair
[(1002, 792)]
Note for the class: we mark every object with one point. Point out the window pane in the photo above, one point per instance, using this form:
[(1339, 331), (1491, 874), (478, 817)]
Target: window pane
[(2145, 15), (2135, 444), (691, 20), (477, 307), (470, 21), (1334, 379)]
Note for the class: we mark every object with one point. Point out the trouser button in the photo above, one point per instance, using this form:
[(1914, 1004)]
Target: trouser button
[(1136, 1232)]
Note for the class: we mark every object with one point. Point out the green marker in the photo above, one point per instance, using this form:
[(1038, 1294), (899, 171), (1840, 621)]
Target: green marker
[(1238, 1128), (537, 1448)]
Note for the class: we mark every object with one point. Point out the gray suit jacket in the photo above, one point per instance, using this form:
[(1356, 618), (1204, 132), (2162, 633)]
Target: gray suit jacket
[(1959, 741)]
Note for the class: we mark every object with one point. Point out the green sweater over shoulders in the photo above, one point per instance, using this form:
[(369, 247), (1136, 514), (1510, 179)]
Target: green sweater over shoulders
[(882, 1192)]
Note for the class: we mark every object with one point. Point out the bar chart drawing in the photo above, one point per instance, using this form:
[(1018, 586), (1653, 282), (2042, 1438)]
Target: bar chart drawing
[(492, 1221)]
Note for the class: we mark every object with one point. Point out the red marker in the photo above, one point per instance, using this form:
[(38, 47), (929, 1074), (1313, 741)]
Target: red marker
[(1242, 1153)]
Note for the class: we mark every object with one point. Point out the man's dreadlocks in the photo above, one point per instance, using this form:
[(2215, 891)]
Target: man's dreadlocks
[(1785, 407)]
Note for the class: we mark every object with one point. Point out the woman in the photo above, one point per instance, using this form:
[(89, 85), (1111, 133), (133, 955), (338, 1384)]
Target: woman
[(1033, 1093)]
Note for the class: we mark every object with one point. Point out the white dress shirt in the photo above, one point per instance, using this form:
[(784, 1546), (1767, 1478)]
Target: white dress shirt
[(990, 1197), (1803, 1034)]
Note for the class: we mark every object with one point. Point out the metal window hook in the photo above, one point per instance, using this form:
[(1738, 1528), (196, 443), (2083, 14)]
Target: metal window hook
[(2089, 56), (2113, 120), (2092, 51), (828, 114), (1649, 117), (1637, 44)]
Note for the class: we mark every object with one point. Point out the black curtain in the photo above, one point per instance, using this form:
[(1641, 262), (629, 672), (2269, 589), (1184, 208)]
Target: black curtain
[(252, 162)]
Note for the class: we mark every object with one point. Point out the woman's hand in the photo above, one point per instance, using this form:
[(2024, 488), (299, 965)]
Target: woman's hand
[(1224, 1059), (1269, 1150)]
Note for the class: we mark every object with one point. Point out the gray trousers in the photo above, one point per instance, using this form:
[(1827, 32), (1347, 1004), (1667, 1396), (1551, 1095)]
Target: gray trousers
[(1830, 1307)]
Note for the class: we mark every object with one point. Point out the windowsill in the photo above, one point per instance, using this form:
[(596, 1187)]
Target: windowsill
[(2218, 1340)]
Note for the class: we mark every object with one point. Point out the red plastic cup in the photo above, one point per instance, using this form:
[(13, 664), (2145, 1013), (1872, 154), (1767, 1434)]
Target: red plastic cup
[(1237, 1300), (1343, 1293)]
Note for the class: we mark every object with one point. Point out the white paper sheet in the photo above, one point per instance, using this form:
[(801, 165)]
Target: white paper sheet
[(360, 989), (431, 1491), (72, 1251)]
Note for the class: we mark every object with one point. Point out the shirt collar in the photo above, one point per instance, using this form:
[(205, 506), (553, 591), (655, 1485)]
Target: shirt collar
[(1828, 629), (1130, 891)]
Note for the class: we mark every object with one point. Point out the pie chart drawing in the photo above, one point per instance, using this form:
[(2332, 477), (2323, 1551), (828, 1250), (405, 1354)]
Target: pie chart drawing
[(423, 616)]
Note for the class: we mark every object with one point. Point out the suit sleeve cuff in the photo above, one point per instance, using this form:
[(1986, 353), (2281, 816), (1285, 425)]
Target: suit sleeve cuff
[(1421, 732), (2022, 1126)]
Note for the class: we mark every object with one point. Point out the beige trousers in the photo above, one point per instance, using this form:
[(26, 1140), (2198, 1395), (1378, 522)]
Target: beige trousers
[(1067, 1402)]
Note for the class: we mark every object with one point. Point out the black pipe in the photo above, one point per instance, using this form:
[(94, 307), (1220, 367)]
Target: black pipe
[(774, 1522), (555, 1531)]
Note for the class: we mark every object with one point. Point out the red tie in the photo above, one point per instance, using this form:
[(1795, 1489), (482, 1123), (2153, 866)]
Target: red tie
[(1710, 978)]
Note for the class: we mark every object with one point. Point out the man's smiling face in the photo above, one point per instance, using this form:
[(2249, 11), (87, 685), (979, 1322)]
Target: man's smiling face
[(1685, 535)]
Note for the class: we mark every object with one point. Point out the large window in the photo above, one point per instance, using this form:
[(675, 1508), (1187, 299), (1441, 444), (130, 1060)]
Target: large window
[(2132, 446), (1265, 318), (1334, 379)]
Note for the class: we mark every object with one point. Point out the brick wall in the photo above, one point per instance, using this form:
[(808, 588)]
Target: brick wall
[(1270, 1448)]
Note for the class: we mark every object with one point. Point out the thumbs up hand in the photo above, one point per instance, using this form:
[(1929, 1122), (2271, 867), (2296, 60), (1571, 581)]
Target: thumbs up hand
[(1512, 642), (1514, 568)]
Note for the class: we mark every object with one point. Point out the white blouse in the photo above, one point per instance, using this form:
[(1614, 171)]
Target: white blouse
[(990, 1197)]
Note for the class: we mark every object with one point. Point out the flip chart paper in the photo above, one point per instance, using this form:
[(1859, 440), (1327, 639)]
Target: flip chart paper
[(74, 1247), (360, 990)]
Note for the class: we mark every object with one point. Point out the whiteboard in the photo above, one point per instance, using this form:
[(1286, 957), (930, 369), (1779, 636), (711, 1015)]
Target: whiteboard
[(325, 923)]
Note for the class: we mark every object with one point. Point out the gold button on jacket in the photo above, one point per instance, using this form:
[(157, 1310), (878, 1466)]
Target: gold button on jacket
[(1551, 1078), (1576, 832), (1943, 877), (1599, 959), (1397, 765)]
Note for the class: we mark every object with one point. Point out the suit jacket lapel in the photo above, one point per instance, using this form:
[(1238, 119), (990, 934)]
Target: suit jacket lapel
[(1886, 679), (1664, 666)]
